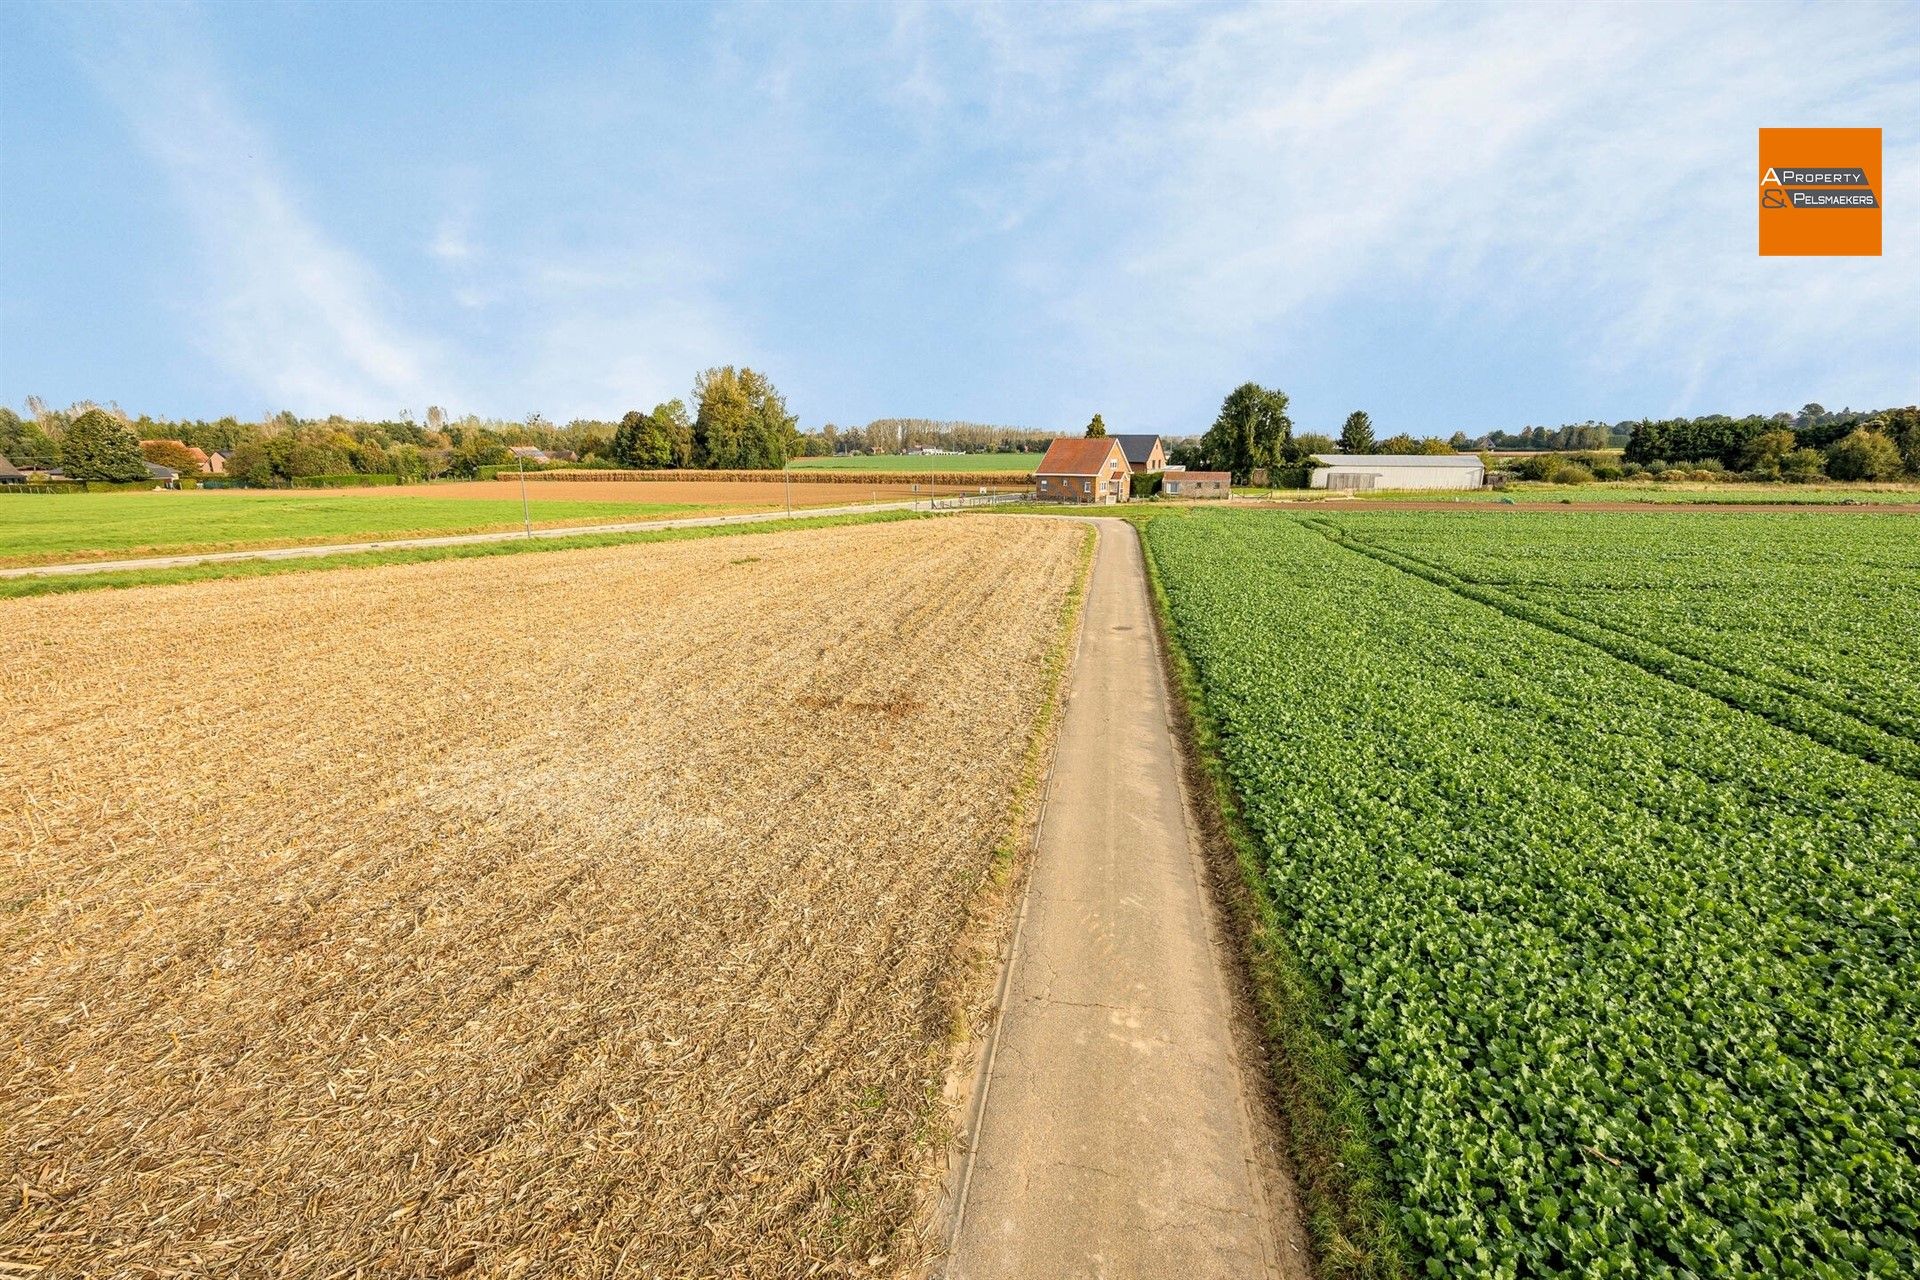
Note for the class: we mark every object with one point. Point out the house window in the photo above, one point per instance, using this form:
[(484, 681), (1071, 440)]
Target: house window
[(1086, 486)]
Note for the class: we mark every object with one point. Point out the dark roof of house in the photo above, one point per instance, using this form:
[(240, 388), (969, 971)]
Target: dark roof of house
[(8, 469), (1137, 448), (1071, 456), (158, 472)]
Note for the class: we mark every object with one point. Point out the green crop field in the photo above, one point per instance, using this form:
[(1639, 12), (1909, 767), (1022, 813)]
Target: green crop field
[(38, 528), (1597, 841), (1015, 462)]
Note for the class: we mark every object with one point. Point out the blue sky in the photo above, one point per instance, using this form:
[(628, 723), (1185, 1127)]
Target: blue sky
[(1451, 216)]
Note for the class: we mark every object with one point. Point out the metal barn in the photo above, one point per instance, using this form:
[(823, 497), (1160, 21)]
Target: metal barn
[(1367, 471)]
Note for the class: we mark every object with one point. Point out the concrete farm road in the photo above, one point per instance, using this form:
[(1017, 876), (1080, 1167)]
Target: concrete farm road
[(1118, 1136)]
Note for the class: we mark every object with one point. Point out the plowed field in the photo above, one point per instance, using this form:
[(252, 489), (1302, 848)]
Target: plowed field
[(579, 914)]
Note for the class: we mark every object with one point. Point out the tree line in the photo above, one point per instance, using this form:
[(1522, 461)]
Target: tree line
[(1813, 444), (738, 421)]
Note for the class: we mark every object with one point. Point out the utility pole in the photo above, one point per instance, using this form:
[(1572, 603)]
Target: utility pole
[(526, 516), (786, 478)]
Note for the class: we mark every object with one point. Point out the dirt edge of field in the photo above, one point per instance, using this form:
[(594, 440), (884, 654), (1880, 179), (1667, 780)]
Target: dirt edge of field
[(986, 945), (1313, 1131)]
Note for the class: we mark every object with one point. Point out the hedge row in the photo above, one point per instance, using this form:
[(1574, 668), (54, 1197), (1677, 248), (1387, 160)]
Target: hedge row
[(991, 479), (349, 481)]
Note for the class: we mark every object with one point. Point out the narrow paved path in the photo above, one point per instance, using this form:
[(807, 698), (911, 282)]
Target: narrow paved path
[(1117, 1137), (448, 540)]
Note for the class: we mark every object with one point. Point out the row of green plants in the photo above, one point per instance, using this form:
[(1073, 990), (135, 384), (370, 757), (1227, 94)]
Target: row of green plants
[(1827, 610), (1626, 979)]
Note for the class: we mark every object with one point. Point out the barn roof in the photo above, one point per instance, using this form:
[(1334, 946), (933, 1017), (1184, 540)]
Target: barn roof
[(8, 469), (1137, 448), (1398, 460), (1071, 456)]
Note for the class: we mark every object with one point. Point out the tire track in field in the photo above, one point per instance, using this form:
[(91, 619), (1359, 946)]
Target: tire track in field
[(1792, 710), (1784, 683)]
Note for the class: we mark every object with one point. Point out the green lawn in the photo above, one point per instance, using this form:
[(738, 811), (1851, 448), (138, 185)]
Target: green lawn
[(1019, 463), (14, 588), (39, 529)]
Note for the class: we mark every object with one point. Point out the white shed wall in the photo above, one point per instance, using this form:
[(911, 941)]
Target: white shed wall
[(1404, 477)]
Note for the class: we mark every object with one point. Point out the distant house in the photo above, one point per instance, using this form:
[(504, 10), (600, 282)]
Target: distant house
[(1366, 471), (1197, 484), (1144, 453), (1082, 470), (10, 474), (932, 451), (217, 462), (177, 447), (167, 476)]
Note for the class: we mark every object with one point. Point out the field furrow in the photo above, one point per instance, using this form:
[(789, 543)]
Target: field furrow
[(1619, 979), (584, 913)]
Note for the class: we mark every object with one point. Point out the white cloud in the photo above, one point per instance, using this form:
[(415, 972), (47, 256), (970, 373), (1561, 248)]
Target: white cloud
[(1230, 182), (304, 319)]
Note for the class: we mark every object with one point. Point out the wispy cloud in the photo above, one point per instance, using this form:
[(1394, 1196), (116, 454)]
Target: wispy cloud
[(301, 317), (1021, 212), (1267, 170)]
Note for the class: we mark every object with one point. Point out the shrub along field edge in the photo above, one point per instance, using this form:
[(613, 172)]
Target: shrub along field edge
[(1335, 1162), (55, 584)]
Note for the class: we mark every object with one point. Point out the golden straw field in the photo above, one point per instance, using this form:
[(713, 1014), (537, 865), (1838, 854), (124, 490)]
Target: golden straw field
[(586, 913)]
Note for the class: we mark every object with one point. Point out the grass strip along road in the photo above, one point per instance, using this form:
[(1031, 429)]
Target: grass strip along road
[(39, 529), (256, 566), (1604, 975)]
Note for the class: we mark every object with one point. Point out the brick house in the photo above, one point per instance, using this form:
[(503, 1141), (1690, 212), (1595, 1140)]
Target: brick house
[(1077, 470), (1145, 454), (1197, 484)]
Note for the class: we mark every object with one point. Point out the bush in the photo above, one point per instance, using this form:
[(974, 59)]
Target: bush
[(1864, 455), (1609, 471), (1632, 469), (1570, 473), (1802, 466), (1144, 484), (349, 480), (1657, 468), (1709, 465)]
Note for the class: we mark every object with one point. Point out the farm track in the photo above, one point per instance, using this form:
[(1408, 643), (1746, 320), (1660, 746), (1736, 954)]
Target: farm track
[(584, 914), (1794, 709)]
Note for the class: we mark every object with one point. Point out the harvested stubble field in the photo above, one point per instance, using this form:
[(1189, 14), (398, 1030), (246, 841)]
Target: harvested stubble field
[(596, 913)]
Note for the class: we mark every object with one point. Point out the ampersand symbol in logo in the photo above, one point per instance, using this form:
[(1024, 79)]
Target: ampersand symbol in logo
[(1773, 198)]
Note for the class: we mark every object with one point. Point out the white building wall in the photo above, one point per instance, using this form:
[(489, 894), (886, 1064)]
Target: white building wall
[(1413, 477)]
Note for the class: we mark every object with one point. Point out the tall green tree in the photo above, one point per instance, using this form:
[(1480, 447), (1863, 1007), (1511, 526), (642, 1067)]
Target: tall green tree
[(1356, 433), (1902, 426), (24, 444), (1097, 429), (742, 421), (1252, 431), (676, 432), (654, 440), (99, 447)]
